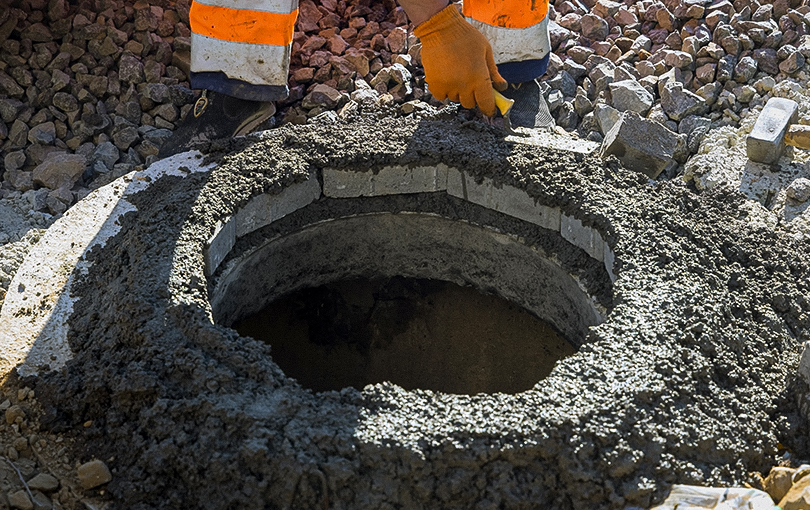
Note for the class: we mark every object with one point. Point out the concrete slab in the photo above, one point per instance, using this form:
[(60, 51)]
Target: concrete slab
[(219, 245), (505, 199), (391, 180), (552, 140), (265, 209)]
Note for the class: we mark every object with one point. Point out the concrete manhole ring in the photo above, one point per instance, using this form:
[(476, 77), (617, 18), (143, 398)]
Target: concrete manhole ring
[(688, 313)]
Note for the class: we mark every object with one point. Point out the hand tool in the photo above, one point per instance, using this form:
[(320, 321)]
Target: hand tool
[(774, 129), (504, 105)]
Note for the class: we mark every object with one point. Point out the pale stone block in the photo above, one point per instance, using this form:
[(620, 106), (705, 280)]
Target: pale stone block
[(391, 180), (584, 237), (346, 183), (506, 199), (265, 209), (220, 244), (461, 185), (395, 180), (516, 202)]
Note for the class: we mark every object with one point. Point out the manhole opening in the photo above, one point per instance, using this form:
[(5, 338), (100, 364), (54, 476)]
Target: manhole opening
[(413, 332), (408, 298)]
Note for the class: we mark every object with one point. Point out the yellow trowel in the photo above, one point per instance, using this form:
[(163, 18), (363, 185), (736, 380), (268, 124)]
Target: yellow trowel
[(505, 105)]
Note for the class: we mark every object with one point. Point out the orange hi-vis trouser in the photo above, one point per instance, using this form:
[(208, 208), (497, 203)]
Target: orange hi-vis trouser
[(242, 47)]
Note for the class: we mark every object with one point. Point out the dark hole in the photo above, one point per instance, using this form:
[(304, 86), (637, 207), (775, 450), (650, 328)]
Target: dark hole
[(416, 333)]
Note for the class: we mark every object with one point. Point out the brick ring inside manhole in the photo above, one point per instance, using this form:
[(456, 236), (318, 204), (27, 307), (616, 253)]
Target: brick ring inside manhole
[(685, 311)]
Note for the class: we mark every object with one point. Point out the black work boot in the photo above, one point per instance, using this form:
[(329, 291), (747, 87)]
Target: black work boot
[(216, 116)]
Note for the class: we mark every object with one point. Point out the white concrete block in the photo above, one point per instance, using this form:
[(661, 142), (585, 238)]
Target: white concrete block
[(455, 183), (396, 180), (220, 244), (516, 202), (461, 185), (506, 199), (584, 237), (552, 140), (391, 180), (610, 260), (265, 209), (346, 183)]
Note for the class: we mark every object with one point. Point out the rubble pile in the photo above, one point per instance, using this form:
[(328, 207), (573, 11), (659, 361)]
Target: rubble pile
[(89, 93), (688, 65)]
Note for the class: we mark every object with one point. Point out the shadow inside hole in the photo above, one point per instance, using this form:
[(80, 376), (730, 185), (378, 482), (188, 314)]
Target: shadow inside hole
[(416, 333)]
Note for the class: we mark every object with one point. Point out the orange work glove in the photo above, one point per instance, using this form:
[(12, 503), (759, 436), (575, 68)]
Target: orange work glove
[(458, 61)]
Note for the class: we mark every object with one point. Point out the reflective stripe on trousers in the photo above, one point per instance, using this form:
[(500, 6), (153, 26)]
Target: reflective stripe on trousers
[(247, 41), (516, 29)]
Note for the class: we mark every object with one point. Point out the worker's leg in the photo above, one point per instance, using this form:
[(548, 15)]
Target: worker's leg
[(242, 47), (518, 33), (240, 57)]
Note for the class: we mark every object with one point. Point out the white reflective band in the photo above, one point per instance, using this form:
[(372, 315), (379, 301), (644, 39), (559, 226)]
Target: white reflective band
[(257, 64), (516, 44), (278, 6)]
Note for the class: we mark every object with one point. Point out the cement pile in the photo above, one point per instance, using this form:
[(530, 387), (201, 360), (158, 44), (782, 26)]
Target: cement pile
[(686, 382)]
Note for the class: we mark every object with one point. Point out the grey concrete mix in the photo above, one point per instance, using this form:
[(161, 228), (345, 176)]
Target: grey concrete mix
[(690, 379)]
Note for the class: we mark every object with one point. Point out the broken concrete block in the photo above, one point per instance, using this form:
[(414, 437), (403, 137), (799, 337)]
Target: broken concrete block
[(766, 142), (799, 190), (630, 96), (640, 144)]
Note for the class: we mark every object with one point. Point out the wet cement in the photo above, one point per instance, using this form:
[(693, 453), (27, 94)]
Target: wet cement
[(415, 333), (686, 381)]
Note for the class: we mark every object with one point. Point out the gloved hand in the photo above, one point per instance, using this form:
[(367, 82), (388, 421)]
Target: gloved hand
[(458, 61)]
